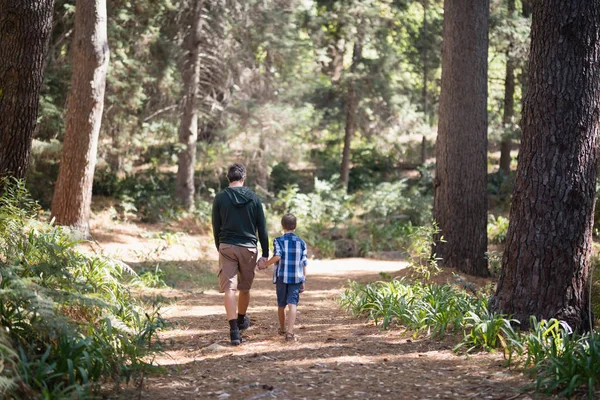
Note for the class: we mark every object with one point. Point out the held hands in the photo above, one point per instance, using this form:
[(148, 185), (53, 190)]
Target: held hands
[(261, 263)]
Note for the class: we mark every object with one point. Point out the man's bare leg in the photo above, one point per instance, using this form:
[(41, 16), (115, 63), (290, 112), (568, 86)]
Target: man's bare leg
[(243, 302), (230, 306)]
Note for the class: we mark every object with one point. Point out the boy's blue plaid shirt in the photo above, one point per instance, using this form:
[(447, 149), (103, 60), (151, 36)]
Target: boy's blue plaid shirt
[(292, 250)]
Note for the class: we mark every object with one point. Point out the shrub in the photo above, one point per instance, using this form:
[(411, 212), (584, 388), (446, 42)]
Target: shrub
[(69, 320), (421, 260)]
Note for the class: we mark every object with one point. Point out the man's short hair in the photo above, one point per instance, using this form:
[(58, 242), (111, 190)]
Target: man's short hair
[(288, 221), (236, 172)]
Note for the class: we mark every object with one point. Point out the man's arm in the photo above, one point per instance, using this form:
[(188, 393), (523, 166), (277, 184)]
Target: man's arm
[(216, 221), (261, 225)]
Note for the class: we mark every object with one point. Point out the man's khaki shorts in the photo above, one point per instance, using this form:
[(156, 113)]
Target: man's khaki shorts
[(236, 267)]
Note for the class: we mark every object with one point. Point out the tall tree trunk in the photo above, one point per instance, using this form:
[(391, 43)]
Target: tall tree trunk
[(85, 103), (509, 100), (545, 268), (25, 27), (188, 128), (460, 200), (351, 108)]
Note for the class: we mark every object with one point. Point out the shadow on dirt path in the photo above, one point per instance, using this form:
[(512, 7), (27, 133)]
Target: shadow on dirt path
[(336, 357)]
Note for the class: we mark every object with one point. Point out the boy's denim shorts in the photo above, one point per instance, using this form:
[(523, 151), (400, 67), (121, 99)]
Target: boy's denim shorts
[(287, 293)]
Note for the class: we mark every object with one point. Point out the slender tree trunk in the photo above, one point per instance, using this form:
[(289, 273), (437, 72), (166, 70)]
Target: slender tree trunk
[(460, 200), (85, 103), (188, 128), (424, 56), (25, 27), (351, 108), (526, 7), (509, 100), (545, 268)]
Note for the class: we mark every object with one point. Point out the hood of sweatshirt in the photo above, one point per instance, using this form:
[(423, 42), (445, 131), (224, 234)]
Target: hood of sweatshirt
[(240, 196)]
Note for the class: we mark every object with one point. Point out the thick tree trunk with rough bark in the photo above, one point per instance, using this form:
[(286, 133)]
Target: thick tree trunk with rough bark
[(509, 101), (85, 103), (545, 268), (188, 128), (351, 108), (25, 27), (460, 200)]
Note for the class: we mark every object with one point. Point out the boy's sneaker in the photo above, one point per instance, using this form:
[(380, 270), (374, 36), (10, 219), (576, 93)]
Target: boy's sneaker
[(236, 337), (245, 324)]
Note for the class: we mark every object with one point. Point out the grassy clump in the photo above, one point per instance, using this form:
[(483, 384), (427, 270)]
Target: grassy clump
[(69, 323), (561, 361)]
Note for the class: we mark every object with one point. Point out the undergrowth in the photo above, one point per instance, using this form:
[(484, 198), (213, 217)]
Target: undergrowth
[(68, 322), (561, 361)]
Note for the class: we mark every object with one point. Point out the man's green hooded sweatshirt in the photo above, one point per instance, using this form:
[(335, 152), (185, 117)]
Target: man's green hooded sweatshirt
[(237, 216)]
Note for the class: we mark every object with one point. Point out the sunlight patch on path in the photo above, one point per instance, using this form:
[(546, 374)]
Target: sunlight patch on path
[(353, 266)]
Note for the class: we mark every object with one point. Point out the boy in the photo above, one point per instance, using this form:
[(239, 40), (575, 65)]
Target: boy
[(289, 274)]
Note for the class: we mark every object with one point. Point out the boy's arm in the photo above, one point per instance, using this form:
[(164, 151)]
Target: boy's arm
[(304, 262), (272, 261)]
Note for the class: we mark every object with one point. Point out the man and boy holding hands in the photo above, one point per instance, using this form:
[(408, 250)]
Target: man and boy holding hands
[(238, 224)]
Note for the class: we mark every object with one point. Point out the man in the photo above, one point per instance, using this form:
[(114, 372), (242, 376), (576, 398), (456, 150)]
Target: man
[(237, 216)]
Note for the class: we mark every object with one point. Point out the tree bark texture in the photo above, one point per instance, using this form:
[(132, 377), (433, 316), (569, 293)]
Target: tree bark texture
[(85, 103), (545, 268), (509, 100), (188, 128), (25, 27), (460, 199), (351, 109)]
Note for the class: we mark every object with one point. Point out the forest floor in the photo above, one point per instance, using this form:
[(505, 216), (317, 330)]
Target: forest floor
[(336, 356)]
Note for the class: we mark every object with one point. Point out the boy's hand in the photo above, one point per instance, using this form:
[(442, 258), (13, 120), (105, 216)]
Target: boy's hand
[(302, 287)]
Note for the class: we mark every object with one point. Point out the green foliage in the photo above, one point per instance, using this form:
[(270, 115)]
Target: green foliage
[(383, 235), (281, 176), (422, 259), (328, 203), (69, 317), (497, 229), (494, 263)]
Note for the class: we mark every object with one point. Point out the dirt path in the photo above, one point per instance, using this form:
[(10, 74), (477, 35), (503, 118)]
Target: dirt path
[(336, 357)]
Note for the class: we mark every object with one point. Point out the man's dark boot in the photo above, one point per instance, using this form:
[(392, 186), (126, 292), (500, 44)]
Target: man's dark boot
[(243, 322), (236, 337), (234, 333)]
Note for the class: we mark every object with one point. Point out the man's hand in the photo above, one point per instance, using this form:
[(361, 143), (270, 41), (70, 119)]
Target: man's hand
[(260, 264), (302, 287)]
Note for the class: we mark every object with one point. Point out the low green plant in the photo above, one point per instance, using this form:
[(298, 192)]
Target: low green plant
[(487, 331), (153, 278), (433, 309), (574, 366)]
